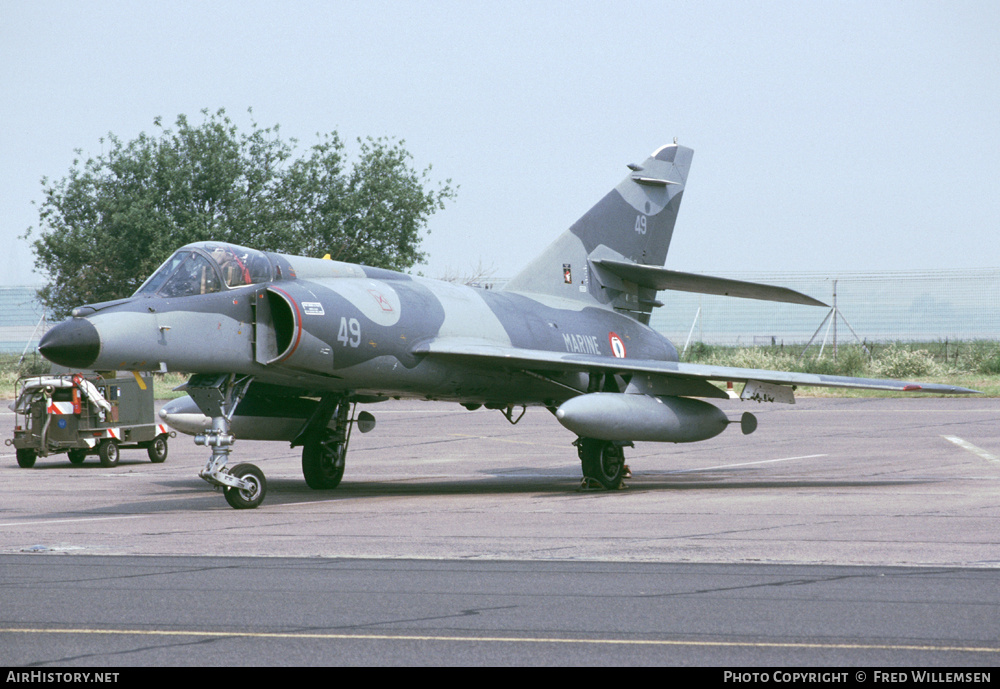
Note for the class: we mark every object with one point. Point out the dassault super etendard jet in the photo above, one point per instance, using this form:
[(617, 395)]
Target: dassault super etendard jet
[(286, 347)]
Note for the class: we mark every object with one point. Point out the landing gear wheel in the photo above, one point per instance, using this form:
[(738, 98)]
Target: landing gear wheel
[(26, 458), (603, 461), (323, 461), (157, 450), (246, 499), (77, 456), (108, 452)]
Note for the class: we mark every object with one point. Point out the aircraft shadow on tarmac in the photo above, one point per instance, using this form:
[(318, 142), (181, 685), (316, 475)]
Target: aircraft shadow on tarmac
[(189, 494), (289, 491)]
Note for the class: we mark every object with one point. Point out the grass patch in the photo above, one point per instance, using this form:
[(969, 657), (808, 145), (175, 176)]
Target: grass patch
[(974, 365), (12, 368), (164, 384)]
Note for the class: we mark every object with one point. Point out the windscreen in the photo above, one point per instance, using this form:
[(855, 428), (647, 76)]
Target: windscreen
[(207, 267), (185, 273)]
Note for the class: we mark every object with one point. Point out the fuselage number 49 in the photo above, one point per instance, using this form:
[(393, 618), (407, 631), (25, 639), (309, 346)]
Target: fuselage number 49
[(350, 332)]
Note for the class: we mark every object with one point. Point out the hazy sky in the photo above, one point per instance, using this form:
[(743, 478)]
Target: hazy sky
[(828, 136)]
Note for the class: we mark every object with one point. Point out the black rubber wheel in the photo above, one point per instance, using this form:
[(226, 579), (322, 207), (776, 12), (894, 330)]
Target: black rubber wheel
[(603, 461), (26, 458), (108, 452), (323, 462), (77, 456), (157, 450), (246, 499)]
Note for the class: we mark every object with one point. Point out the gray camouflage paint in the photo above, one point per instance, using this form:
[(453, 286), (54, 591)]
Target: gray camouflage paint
[(634, 222), (324, 326)]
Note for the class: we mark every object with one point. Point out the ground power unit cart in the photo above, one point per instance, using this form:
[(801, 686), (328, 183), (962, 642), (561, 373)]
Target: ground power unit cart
[(86, 414)]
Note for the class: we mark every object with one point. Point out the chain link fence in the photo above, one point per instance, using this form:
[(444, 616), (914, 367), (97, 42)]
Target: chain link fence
[(924, 306), (23, 319)]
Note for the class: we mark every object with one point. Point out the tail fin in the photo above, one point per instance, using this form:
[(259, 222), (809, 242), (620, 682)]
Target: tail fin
[(633, 223)]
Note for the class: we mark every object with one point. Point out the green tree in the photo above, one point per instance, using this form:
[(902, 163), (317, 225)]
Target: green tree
[(116, 217)]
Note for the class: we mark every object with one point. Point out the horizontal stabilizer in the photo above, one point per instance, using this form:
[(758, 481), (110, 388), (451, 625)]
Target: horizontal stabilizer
[(652, 181), (658, 278)]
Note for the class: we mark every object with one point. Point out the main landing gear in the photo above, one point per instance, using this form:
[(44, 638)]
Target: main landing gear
[(603, 462), (324, 449)]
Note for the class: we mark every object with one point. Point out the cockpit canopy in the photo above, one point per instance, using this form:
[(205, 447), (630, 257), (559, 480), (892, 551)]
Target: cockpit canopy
[(205, 267)]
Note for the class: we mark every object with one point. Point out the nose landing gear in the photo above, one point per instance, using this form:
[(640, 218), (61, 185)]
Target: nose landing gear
[(217, 396)]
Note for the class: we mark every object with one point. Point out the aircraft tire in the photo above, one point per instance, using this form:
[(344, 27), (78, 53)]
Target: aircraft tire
[(246, 499), (157, 449), (77, 456), (323, 463), (26, 458), (108, 452), (603, 461)]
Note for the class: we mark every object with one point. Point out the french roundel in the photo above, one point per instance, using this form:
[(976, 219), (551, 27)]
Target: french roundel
[(617, 346)]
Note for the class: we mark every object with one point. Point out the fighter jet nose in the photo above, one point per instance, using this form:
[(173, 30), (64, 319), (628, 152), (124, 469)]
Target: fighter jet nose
[(73, 343)]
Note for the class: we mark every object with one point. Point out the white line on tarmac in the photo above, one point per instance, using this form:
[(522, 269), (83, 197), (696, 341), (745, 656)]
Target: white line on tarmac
[(965, 445), (67, 521), (936, 410), (743, 464), (507, 440)]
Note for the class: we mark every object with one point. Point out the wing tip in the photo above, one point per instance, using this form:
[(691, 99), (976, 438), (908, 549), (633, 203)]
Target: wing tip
[(940, 389)]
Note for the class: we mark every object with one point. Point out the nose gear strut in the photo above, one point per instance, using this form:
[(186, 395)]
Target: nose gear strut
[(217, 395)]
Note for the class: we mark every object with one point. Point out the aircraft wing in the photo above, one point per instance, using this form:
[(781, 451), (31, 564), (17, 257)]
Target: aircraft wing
[(546, 361)]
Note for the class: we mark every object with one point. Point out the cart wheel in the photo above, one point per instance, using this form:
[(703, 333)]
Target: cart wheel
[(108, 452), (26, 458), (157, 450), (77, 456)]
